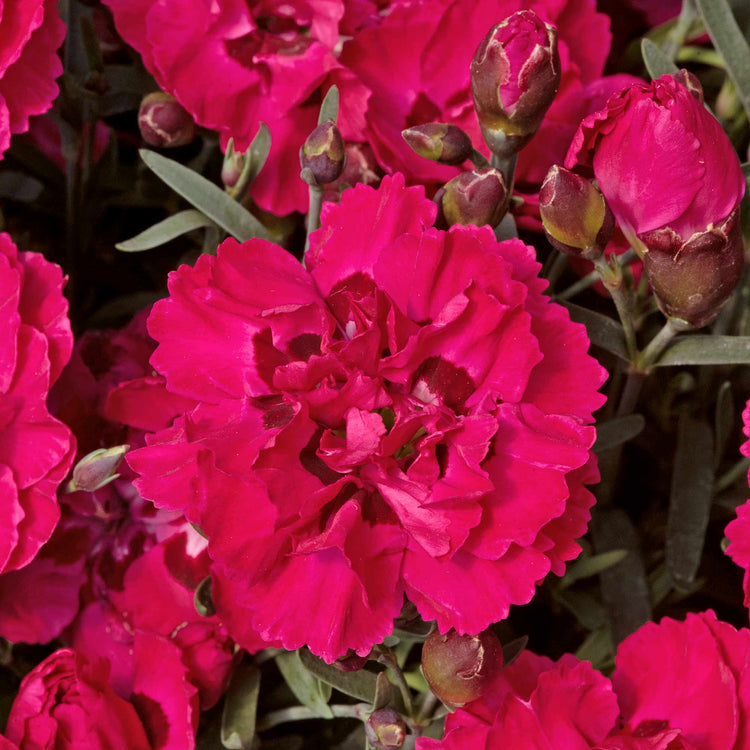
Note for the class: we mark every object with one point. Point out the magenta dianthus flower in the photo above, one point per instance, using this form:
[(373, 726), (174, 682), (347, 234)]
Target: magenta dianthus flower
[(410, 416)]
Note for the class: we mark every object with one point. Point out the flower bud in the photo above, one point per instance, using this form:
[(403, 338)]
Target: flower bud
[(459, 668), (352, 662), (576, 218), (97, 469), (164, 122), (233, 166), (385, 728), (475, 197), (323, 153), (692, 279), (515, 75), (440, 142)]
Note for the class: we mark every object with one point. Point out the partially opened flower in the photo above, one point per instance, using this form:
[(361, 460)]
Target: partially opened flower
[(674, 184), (29, 64), (410, 417), (36, 450)]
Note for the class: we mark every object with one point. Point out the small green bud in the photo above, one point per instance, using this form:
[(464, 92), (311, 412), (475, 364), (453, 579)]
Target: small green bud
[(323, 153), (475, 197), (164, 122), (575, 215), (440, 142), (97, 469), (386, 729)]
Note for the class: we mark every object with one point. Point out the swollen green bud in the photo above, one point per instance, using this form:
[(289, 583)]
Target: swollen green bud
[(575, 215), (459, 668), (97, 469), (475, 197), (164, 122), (323, 153), (440, 142)]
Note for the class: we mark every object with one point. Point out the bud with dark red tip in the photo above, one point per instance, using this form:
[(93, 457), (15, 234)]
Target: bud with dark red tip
[(440, 142), (479, 197), (323, 153), (164, 122), (692, 279), (351, 662), (97, 469), (386, 728), (515, 75), (459, 668), (576, 218)]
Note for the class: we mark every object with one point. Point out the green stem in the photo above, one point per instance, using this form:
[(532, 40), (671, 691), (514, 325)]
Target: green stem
[(478, 159), (621, 303), (727, 479), (554, 268), (388, 658), (313, 215), (302, 713), (591, 278), (659, 343), (677, 34), (427, 709)]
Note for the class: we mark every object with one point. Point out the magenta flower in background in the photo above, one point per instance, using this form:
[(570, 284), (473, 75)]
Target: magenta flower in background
[(67, 703), (674, 183), (36, 450), (29, 65), (411, 417), (677, 686)]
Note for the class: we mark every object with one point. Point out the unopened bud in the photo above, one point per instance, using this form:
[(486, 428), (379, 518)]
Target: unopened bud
[(386, 728), (97, 469), (164, 122), (440, 142), (476, 197), (693, 279), (233, 166), (323, 153), (515, 75), (576, 218), (459, 668), (351, 662)]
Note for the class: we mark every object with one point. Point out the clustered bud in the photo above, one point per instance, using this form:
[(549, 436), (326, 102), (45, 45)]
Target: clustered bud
[(97, 469), (515, 75), (386, 728), (323, 155), (164, 122), (440, 142), (459, 668), (576, 218), (478, 197)]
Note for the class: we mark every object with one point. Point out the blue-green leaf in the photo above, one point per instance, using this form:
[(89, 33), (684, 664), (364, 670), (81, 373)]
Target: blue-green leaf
[(706, 350), (241, 707), (166, 230), (656, 62), (308, 689), (329, 109)]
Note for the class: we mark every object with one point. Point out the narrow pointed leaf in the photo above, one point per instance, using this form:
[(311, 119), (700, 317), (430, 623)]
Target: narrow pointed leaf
[(240, 708), (656, 62), (690, 499), (18, 186), (729, 40), (707, 350), (618, 431), (585, 567), (206, 197), (166, 230), (308, 689), (329, 109), (360, 685), (603, 331), (259, 150), (512, 650), (724, 420)]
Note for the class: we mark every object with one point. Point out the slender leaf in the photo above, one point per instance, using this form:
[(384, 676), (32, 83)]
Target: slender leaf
[(657, 63), (690, 499), (707, 350), (723, 420), (360, 684), (587, 609), (597, 648), (241, 707), (618, 431), (161, 233), (512, 650), (309, 690), (603, 331), (18, 186), (329, 109), (585, 567), (206, 197), (383, 691), (729, 40), (203, 600), (258, 151)]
